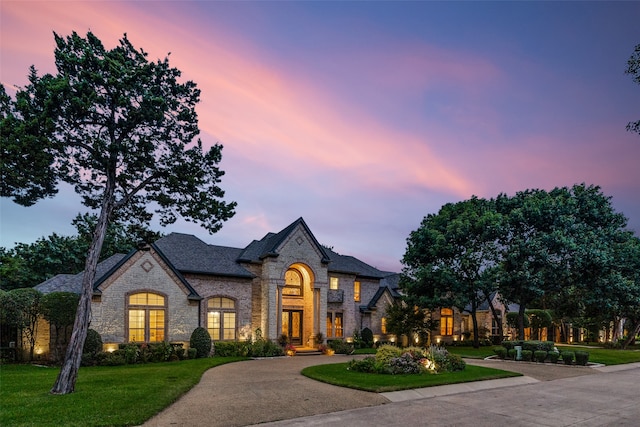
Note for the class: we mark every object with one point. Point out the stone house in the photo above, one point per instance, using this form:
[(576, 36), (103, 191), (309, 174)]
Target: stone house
[(285, 283)]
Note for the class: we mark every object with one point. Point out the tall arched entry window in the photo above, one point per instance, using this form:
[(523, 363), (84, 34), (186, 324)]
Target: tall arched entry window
[(446, 321), (221, 318), (146, 317)]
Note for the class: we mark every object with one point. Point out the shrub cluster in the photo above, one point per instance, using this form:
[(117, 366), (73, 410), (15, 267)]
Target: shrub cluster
[(133, 353), (529, 345), (582, 358), (252, 348), (340, 346), (411, 360)]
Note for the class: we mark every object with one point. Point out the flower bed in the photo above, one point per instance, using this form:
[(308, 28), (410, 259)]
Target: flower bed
[(411, 360)]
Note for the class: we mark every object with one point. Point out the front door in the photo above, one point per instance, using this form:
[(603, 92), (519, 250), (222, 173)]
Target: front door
[(292, 326)]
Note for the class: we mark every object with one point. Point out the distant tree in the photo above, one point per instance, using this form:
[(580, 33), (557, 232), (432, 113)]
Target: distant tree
[(121, 130), (410, 321), (59, 308), (21, 309), (451, 258), (27, 265), (556, 245), (633, 69)]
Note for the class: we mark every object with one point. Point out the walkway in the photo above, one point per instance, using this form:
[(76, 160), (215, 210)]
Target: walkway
[(268, 390)]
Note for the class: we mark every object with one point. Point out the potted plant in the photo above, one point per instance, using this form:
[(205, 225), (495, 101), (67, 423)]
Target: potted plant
[(290, 350)]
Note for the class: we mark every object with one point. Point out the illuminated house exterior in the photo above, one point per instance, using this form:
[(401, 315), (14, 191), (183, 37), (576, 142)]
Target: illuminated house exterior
[(285, 283)]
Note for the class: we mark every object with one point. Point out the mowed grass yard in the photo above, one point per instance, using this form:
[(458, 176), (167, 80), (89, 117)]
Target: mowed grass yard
[(105, 395), (130, 395), (605, 356)]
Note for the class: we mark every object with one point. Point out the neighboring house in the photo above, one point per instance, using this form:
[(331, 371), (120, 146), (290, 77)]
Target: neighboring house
[(285, 283), (487, 324)]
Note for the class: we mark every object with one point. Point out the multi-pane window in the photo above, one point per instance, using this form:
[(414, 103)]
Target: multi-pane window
[(383, 325), (446, 321), (334, 325), (495, 327), (221, 318), (333, 283), (356, 291), (292, 283), (147, 321)]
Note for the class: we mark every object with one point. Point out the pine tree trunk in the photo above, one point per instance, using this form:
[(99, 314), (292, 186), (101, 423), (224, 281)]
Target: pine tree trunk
[(521, 322), (66, 381)]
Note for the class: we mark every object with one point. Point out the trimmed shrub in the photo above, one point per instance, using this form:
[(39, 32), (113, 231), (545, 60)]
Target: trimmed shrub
[(527, 355), (367, 337), (501, 352), (93, 343), (554, 356), (512, 353), (341, 347), (387, 352), (456, 363), (192, 353), (201, 341), (368, 364), (567, 357), (582, 358), (540, 355)]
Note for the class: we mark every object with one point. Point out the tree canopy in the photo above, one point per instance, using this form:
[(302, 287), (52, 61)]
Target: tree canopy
[(123, 131), (28, 264), (633, 69), (565, 249), (451, 257)]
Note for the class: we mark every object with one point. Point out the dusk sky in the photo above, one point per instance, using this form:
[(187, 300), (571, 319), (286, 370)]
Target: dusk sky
[(364, 117)]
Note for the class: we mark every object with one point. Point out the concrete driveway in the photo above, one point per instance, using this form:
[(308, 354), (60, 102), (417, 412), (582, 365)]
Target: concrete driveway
[(272, 391)]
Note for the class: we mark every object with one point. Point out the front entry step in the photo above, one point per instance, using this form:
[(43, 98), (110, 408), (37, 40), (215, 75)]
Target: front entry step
[(307, 351)]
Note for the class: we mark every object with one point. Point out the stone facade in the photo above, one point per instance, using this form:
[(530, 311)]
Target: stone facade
[(185, 274)]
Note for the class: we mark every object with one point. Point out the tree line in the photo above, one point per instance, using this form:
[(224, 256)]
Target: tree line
[(565, 250)]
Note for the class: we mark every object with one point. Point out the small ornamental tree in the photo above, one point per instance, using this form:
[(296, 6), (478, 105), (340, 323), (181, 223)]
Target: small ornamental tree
[(59, 308), (201, 341), (123, 131)]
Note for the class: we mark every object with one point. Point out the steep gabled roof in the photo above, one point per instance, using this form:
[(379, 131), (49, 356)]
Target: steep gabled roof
[(388, 284), (268, 246), (351, 265), (73, 282), (188, 254)]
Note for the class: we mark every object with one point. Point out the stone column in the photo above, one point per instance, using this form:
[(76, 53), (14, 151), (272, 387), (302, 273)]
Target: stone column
[(279, 311)]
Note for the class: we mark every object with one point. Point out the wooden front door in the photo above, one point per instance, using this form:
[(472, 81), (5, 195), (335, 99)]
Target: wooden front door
[(292, 325)]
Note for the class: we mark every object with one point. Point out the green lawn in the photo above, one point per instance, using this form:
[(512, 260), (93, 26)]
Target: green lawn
[(337, 374), (606, 356), (472, 353), (104, 396)]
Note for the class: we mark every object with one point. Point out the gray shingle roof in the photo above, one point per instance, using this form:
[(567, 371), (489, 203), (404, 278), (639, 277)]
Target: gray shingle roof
[(188, 254), (73, 282), (268, 245), (351, 265)]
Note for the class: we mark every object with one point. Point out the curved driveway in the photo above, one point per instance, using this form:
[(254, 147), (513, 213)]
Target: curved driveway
[(272, 391)]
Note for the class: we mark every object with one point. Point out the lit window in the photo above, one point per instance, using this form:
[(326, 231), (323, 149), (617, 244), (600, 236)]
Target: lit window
[(356, 291), (383, 325), (333, 284), (337, 325), (446, 321), (147, 321), (334, 325), (221, 318), (293, 283)]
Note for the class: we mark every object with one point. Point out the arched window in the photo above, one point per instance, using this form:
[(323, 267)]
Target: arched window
[(292, 283), (221, 318), (446, 321), (146, 315)]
